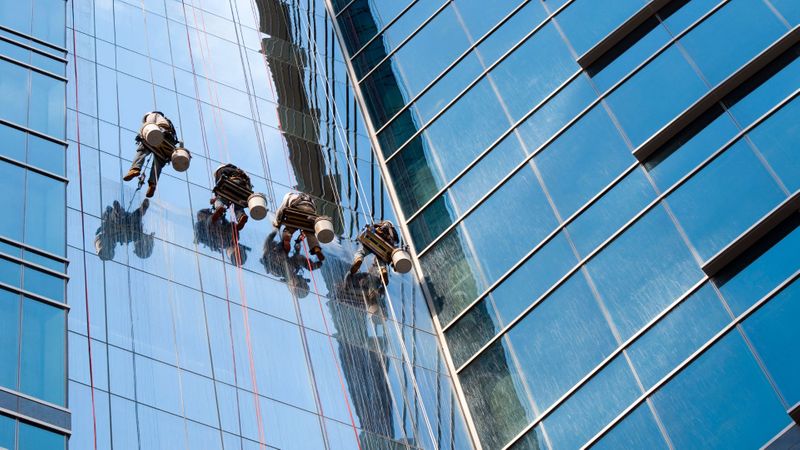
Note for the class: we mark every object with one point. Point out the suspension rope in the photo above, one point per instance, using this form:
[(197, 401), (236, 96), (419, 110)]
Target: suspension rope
[(83, 225), (361, 193), (221, 131)]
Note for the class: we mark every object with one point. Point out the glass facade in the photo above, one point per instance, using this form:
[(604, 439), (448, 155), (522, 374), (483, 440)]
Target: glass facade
[(182, 333), (569, 175)]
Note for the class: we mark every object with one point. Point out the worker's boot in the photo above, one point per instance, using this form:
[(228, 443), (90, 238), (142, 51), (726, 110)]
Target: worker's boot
[(318, 252), (133, 173), (240, 223), (356, 265), (151, 190)]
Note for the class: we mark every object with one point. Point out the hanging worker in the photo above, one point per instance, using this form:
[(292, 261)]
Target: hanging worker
[(386, 231), (304, 203), (240, 179), (156, 128)]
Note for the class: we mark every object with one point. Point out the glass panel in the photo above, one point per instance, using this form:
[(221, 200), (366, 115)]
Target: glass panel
[(656, 94), (705, 407), (9, 339), (14, 84), (47, 107), (34, 438), (42, 360), (596, 403), (790, 10), (363, 19), (587, 22), (724, 199), (509, 299), (46, 155), (774, 333), (610, 212), (7, 431), (560, 341), (643, 271), (478, 19), (12, 182), (638, 430), (43, 284), (777, 139), (12, 143), (498, 398), (583, 160), (45, 213), (731, 37), (678, 335), (536, 68)]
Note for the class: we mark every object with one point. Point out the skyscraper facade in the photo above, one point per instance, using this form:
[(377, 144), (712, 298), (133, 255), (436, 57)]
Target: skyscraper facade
[(601, 197), (175, 331)]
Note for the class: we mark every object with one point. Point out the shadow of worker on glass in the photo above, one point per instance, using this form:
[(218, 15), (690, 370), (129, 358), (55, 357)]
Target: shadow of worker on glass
[(218, 236), (290, 266), (118, 226)]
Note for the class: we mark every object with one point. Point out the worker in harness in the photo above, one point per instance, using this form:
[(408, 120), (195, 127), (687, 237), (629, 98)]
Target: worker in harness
[(301, 202), (165, 131), (386, 231), (238, 177)]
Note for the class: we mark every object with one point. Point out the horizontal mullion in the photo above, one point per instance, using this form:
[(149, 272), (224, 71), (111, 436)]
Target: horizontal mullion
[(693, 357), (627, 225), (379, 34), (33, 49), (717, 93), (32, 265), (35, 296), (41, 423), (460, 58), (405, 40), (27, 166), (33, 68), (568, 125), (608, 359), (33, 39), (33, 249), (19, 127)]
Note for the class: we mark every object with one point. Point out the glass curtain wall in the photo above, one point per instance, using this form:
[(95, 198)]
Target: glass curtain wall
[(33, 255), (565, 238), (202, 338)]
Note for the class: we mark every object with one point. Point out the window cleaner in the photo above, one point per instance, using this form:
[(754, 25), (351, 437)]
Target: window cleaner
[(157, 138), (298, 212), (233, 187), (381, 240)]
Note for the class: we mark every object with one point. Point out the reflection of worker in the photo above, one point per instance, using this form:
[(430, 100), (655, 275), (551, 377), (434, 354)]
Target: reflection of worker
[(288, 268), (169, 135), (238, 177), (303, 202), (385, 230), (217, 236), (120, 226)]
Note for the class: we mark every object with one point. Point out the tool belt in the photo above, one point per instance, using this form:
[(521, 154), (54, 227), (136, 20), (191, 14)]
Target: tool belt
[(377, 245), (232, 192)]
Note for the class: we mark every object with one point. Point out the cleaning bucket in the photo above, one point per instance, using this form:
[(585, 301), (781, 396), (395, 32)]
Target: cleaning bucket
[(257, 204), (180, 159), (323, 228), (401, 261)]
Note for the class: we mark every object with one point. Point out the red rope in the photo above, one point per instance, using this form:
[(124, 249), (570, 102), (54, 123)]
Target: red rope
[(247, 331), (83, 226), (330, 343), (218, 123)]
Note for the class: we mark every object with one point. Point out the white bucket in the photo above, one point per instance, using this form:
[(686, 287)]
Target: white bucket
[(257, 204), (180, 159), (323, 228), (152, 134), (401, 261)]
